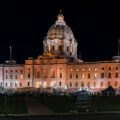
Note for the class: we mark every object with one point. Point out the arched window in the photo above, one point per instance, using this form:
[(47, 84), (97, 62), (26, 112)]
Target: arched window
[(88, 84), (70, 75), (6, 84), (76, 84), (109, 75), (70, 84), (88, 75), (15, 84), (67, 49), (101, 84), (28, 84), (53, 48), (116, 68), (102, 75), (20, 84), (60, 75), (94, 84), (38, 73), (10, 84), (109, 68), (82, 84), (60, 47), (60, 84), (28, 75), (116, 83), (116, 74), (76, 75), (109, 83)]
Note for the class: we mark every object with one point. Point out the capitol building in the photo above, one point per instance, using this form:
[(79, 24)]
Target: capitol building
[(59, 67)]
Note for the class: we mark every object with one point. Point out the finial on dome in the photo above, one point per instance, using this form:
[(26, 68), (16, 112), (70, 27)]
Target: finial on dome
[(60, 11), (60, 16)]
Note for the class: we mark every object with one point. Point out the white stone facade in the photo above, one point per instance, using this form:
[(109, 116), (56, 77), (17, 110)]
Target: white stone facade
[(59, 67)]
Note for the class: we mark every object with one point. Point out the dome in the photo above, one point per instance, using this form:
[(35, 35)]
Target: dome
[(60, 30)]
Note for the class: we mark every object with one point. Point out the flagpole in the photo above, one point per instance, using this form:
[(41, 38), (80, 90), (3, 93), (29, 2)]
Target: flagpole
[(10, 52), (118, 47)]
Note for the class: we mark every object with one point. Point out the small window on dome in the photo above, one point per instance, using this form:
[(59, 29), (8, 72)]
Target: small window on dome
[(67, 49)]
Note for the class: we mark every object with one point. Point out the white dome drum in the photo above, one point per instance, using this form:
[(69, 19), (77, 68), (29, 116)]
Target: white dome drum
[(60, 40)]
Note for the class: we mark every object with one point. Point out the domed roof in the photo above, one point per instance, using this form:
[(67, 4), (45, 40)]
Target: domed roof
[(60, 30)]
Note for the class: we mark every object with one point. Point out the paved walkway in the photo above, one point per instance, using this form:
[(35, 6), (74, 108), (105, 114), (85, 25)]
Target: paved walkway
[(36, 108)]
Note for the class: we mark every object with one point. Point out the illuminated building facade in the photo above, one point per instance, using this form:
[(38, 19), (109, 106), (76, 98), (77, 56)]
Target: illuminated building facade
[(59, 66)]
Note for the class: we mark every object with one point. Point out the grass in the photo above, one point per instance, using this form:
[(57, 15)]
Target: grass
[(101, 103), (59, 104), (13, 106), (67, 104)]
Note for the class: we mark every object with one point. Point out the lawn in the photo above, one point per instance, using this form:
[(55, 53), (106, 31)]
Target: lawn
[(13, 106), (101, 103), (59, 104), (67, 104)]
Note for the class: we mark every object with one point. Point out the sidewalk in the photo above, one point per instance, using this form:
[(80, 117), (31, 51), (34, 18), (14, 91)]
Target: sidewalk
[(36, 108)]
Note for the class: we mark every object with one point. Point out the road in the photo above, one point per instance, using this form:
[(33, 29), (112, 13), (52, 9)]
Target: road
[(67, 117)]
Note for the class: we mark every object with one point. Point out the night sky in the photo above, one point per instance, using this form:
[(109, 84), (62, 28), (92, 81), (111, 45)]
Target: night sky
[(25, 24)]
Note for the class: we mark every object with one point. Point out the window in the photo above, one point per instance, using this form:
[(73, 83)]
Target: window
[(82, 84), (83, 76), (95, 69), (15, 76), (116, 83), (77, 69), (60, 47), (116, 74), (116, 68), (101, 84), (15, 84), (6, 71), (10, 84), (67, 49), (53, 48), (102, 68), (28, 84), (38, 73), (21, 71), (10, 76), (16, 70), (76, 84), (76, 75), (6, 84), (70, 69), (6, 77), (70, 84), (89, 69), (109, 75), (11, 71), (21, 76), (20, 84), (88, 84), (109, 68), (95, 75), (88, 75), (94, 84), (1, 84), (109, 84), (83, 69), (70, 75), (60, 75), (28, 75), (60, 83), (102, 75)]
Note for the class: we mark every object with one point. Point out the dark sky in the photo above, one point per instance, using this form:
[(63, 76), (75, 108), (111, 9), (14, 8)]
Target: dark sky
[(25, 24)]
